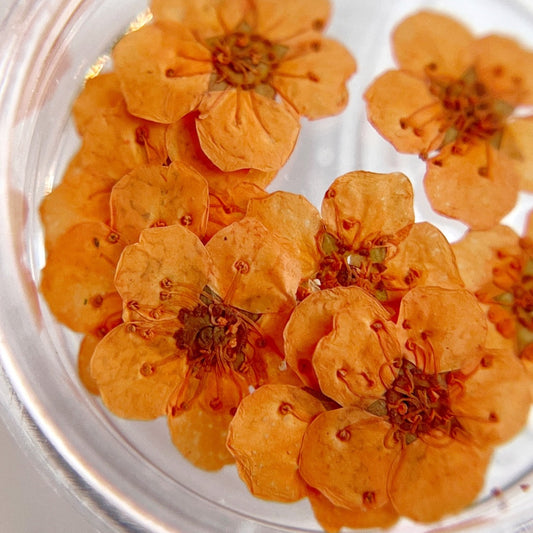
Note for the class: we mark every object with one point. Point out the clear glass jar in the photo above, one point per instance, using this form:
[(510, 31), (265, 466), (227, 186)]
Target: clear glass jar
[(128, 474)]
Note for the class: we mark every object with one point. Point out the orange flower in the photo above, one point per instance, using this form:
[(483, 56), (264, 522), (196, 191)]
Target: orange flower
[(200, 329), (453, 101), (249, 68), (423, 403), (497, 265), (358, 241)]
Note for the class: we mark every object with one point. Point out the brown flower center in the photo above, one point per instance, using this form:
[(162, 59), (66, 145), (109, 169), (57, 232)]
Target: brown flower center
[(417, 403), (470, 110), (245, 60)]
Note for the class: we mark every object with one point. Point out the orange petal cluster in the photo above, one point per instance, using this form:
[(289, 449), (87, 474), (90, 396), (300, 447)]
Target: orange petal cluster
[(455, 100)]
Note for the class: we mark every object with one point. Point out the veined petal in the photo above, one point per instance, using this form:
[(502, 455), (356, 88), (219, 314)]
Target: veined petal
[(153, 195), (205, 18), (164, 71), (170, 260), (478, 187), (477, 252), (401, 108), (313, 80), (183, 145), (430, 482), (517, 143), (430, 38), (296, 220), (279, 20), (77, 279), (252, 270), (343, 456), (200, 432), (136, 375), (348, 361), (449, 323), (504, 67), (426, 256), (359, 205), (242, 129), (310, 321), (494, 406), (283, 412)]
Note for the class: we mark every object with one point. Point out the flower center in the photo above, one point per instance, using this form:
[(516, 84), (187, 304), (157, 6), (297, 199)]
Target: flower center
[(470, 111), (417, 403), (245, 60)]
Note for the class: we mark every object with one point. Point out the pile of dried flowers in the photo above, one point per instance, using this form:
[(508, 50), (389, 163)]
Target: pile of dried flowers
[(350, 355)]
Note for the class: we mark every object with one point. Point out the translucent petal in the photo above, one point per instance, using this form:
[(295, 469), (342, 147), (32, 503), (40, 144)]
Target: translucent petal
[(296, 220), (155, 195), (313, 79), (242, 129), (401, 108), (85, 354), (77, 279), (252, 270), (517, 142), (265, 437), (361, 205), (136, 375), (431, 482), (165, 271), (431, 38), (164, 71), (478, 187), (344, 457)]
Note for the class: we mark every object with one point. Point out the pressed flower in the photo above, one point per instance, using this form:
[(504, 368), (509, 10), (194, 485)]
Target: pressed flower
[(358, 241), (198, 322), (156, 195), (77, 279), (497, 265), (456, 100), (249, 69), (269, 466), (423, 400)]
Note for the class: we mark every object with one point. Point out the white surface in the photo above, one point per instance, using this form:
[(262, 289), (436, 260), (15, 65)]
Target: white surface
[(28, 502)]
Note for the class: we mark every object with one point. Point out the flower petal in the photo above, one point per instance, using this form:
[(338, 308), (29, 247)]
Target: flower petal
[(478, 187), (183, 145), (136, 375), (332, 518), (206, 18), (283, 413), (313, 79), (495, 404), (252, 270), (85, 354), (77, 280), (344, 457), (296, 220), (401, 108), (200, 433), (310, 321), (82, 196), (448, 323), (279, 20), (348, 361), (361, 205), (431, 38), (153, 195), (504, 67), (517, 142), (241, 129), (164, 71), (426, 256), (170, 259), (430, 482)]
